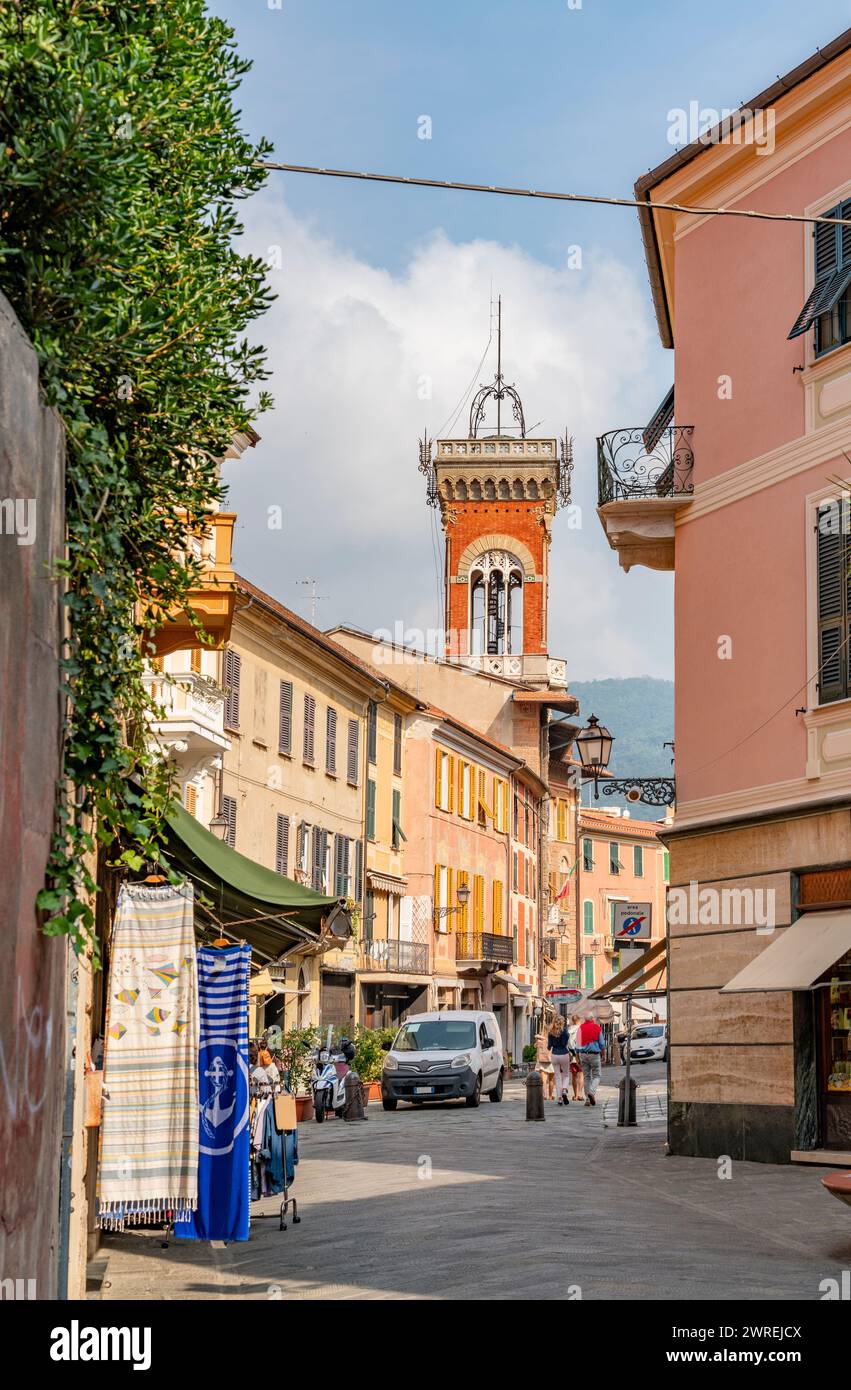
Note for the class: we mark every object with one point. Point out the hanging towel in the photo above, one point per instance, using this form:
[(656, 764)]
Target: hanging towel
[(149, 1136), (223, 1169)]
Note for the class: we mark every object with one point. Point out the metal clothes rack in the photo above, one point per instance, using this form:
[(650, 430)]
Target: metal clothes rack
[(257, 1089)]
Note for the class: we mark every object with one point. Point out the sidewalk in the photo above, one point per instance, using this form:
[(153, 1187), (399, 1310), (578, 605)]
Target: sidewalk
[(452, 1203)]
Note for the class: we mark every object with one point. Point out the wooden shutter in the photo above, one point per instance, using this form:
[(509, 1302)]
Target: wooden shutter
[(285, 717), (358, 883), (370, 809), (229, 813), (331, 740), (462, 879), (438, 777), (320, 840), (478, 903), (398, 833), (372, 732), (352, 754), (190, 798), (342, 850), (233, 663), (834, 603), (397, 744), (497, 907), (195, 660), (282, 844), (309, 743), (588, 918)]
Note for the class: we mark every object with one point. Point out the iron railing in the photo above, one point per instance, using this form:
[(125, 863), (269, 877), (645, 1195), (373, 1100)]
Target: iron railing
[(628, 469), (484, 946), (399, 957)]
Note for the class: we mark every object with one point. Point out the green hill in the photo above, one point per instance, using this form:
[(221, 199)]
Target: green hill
[(639, 713)]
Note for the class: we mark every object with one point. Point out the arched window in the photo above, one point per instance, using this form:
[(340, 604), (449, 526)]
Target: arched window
[(496, 604)]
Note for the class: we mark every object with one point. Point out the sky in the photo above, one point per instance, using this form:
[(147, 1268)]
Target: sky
[(384, 293)]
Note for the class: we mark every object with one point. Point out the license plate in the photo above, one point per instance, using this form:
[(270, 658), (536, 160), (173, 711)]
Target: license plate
[(423, 1090)]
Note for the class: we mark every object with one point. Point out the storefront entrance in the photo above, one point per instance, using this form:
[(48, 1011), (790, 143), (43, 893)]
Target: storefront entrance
[(834, 1056)]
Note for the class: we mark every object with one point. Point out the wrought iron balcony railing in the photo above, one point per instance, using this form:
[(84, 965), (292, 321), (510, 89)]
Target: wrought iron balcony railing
[(484, 946), (399, 957), (627, 469)]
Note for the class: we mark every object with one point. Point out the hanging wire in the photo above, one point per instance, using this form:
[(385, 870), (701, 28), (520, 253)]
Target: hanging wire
[(690, 209)]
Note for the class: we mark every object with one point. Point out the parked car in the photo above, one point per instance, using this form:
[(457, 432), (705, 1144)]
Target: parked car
[(649, 1043), (444, 1056)]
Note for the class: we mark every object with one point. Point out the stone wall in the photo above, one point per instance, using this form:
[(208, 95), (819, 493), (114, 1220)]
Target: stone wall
[(32, 967)]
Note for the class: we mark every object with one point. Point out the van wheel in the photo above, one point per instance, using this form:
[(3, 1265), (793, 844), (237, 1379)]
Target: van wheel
[(496, 1093), (389, 1104), (476, 1097)]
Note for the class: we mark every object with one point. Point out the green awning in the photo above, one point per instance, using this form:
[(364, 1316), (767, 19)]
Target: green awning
[(281, 913)]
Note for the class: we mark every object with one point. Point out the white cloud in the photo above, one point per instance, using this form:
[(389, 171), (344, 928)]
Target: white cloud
[(350, 345)]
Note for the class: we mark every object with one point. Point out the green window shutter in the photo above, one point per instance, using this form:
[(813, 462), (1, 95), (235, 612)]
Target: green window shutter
[(834, 602), (588, 855), (638, 861), (589, 972), (370, 809), (666, 866), (372, 732), (398, 832), (588, 918)]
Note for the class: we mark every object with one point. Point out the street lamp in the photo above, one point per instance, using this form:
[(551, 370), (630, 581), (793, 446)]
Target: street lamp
[(462, 893), (220, 826), (594, 744)]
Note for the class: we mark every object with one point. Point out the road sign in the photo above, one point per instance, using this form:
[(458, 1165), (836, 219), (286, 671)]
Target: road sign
[(631, 922)]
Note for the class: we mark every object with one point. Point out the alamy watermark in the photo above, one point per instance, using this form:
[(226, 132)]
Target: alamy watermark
[(704, 125), (18, 518), (722, 907)]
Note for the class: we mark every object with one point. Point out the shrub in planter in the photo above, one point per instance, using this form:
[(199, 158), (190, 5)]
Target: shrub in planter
[(529, 1052), (369, 1053), (296, 1047)]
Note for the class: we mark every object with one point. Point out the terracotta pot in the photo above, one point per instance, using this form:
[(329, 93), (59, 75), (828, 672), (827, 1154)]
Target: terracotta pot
[(304, 1107), (371, 1091)]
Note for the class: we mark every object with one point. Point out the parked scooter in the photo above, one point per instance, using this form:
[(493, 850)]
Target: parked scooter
[(329, 1077)]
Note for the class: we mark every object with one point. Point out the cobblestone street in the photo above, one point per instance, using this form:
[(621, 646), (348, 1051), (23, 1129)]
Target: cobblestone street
[(448, 1202)]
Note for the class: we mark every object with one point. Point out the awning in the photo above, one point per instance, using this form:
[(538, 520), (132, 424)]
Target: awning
[(443, 982), (800, 955), (387, 883), (552, 699), (502, 977), (635, 975), (262, 907), (391, 977)]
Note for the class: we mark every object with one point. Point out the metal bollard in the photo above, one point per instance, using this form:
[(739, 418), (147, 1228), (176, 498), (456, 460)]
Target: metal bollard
[(534, 1096), (623, 1119), (353, 1109)]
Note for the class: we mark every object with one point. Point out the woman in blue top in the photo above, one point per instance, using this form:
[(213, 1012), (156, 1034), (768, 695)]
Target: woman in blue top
[(558, 1041)]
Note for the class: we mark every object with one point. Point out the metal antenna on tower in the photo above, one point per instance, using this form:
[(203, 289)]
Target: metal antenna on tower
[(314, 597)]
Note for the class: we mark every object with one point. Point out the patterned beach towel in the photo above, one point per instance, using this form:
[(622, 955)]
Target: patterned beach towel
[(223, 1169), (149, 1135)]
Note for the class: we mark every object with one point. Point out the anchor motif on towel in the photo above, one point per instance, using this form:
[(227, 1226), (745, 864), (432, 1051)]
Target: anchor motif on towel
[(213, 1111)]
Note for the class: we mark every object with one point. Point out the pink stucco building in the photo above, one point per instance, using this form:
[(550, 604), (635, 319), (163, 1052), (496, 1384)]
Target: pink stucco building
[(739, 485)]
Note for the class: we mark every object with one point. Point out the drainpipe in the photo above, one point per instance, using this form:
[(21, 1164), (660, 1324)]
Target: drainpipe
[(71, 969)]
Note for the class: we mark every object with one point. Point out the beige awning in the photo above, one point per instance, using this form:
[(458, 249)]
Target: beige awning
[(387, 883), (391, 977), (798, 957), (443, 982)]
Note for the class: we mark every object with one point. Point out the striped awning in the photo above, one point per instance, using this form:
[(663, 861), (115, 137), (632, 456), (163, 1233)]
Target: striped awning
[(387, 883)]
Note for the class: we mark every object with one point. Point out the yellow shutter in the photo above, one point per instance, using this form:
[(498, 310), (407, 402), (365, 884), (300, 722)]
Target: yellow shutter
[(191, 800), (461, 766), (483, 805), (497, 907), (461, 879), (450, 897), (438, 770), (195, 661), (437, 897), (561, 821), (451, 784), (478, 903)]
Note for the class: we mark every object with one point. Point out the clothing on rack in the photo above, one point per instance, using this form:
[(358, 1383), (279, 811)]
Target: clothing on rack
[(149, 1135), (223, 1176)]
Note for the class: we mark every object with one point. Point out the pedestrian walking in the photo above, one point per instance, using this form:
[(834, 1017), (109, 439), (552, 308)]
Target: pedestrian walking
[(590, 1040), (577, 1081), (544, 1065), (558, 1041)]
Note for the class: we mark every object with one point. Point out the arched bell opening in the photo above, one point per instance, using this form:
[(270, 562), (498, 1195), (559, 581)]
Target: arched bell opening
[(496, 605)]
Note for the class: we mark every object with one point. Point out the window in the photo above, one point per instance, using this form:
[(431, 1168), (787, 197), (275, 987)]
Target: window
[(444, 790), (285, 718), (614, 862), (666, 866), (331, 741), (370, 809), (233, 663), (587, 855), (372, 732), (342, 861), (397, 833), (561, 819), (465, 790), (309, 741), (638, 860), (352, 754), (397, 745), (497, 907), (833, 577), (827, 304), (496, 604), (588, 967), (282, 844), (588, 917), (442, 895), (303, 848), (229, 813), (478, 903), (485, 813), (500, 804)]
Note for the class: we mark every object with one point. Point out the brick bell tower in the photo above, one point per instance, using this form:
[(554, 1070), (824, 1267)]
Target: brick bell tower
[(498, 491)]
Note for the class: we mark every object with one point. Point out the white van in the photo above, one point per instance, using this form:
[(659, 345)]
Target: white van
[(443, 1056)]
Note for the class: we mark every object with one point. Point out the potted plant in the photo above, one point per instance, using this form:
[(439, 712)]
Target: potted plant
[(296, 1048), (369, 1058)]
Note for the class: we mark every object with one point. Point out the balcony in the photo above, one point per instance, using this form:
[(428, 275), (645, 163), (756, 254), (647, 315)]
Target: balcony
[(644, 479), (191, 723), (213, 601), (483, 948), (396, 957)]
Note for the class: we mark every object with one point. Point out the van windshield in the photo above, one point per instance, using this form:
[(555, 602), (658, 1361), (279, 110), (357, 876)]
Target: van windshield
[(435, 1035)]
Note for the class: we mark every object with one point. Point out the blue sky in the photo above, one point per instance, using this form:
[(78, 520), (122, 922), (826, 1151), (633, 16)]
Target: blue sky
[(524, 92)]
